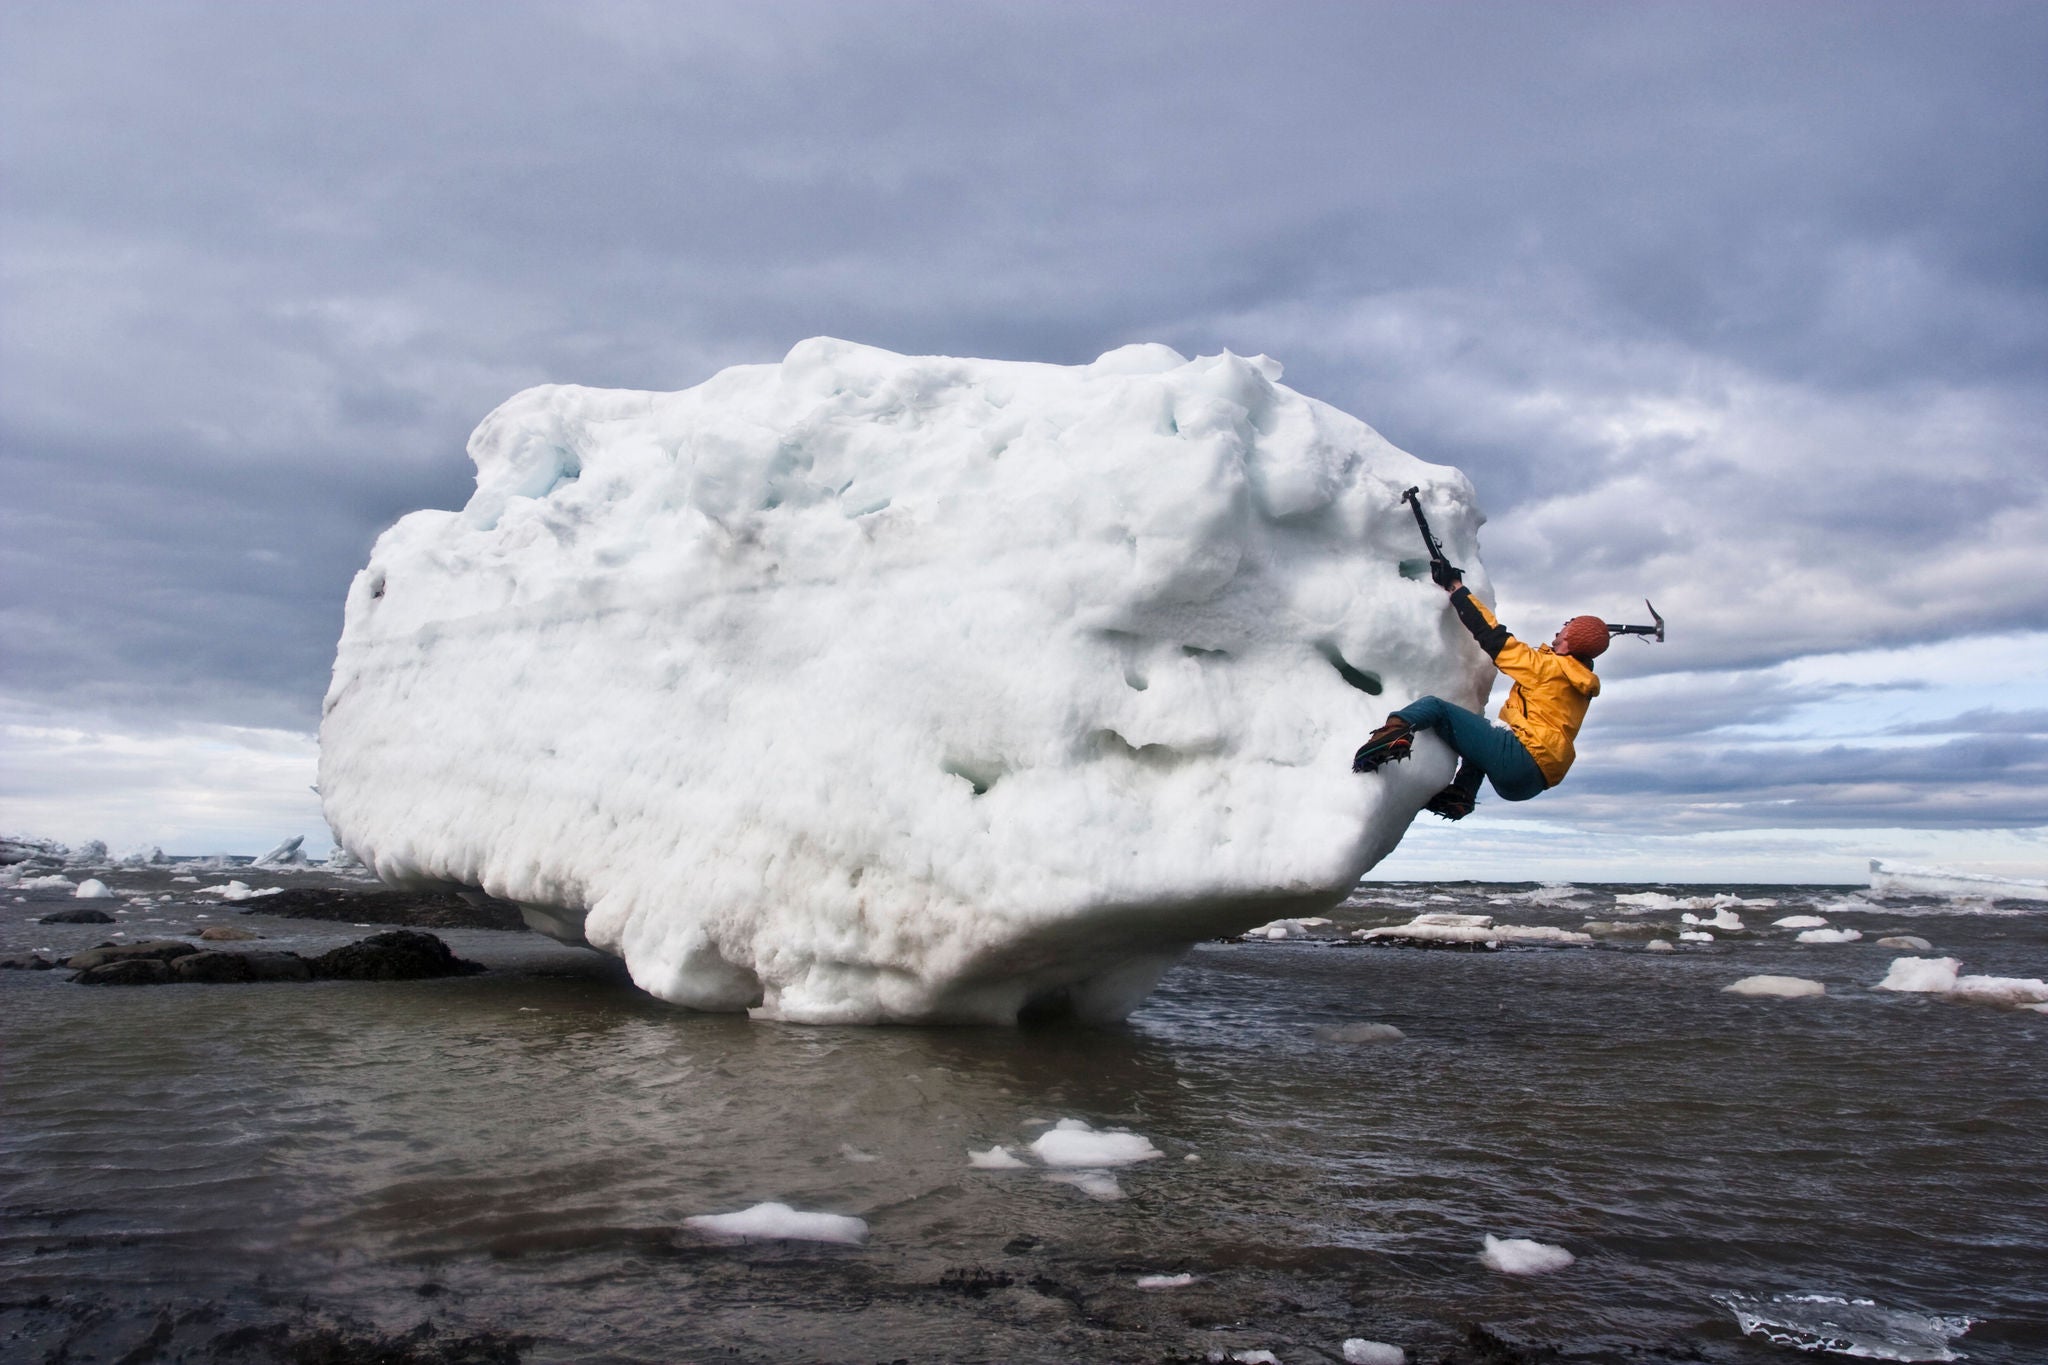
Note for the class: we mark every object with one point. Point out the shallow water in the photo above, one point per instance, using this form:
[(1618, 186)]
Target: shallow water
[(520, 1149)]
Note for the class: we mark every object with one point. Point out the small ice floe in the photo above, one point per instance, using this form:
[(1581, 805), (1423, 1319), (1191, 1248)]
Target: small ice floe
[(856, 1155), (1695, 936), (193, 880), (1279, 929), (1911, 943), (773, 1222), (1720, 919), (1071, 1143), (1359, 1033), (238, 891), (1661, 945), (1095, 1184), (996, 1158), (1181, 1281), (1359, 1351), (1831, 936), (1479, 930), (1521, 1256), (1851, 1327), (1799, 922), (1550, 893), (1942, 976), (93, 889), (1785, 987), (287, 854), (1638, 902), (53, 882), (1245, 1357)]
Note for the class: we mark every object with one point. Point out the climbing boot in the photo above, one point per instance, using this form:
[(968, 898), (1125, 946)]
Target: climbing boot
[(1453, 803), (1388, 744)]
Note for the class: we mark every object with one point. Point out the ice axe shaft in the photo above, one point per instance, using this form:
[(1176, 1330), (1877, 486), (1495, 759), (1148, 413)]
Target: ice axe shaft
[(1655, 632), (1441, 568)]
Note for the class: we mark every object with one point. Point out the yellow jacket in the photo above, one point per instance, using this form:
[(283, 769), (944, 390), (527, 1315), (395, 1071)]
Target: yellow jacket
[(1547, 704)]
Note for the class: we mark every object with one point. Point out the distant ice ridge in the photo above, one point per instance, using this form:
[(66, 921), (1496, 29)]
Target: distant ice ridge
[(864, 687), (1908, 879)]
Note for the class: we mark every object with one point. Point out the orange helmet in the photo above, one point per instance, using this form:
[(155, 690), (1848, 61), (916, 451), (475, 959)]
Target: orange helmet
[(1585, 637)]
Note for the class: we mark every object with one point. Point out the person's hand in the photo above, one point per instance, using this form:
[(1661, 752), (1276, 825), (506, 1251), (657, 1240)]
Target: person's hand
[(1445, 576)]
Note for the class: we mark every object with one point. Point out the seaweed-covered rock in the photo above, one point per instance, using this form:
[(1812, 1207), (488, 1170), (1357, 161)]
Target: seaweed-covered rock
[(77, 917), (160, 949), (126, 971), (398, 955)]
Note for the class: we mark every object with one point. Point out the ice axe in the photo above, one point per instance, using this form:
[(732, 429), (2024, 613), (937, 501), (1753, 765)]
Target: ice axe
[(1441, 571), (1655, 632)]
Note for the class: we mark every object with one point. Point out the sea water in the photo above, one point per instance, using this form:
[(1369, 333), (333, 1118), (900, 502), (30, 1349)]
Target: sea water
[(1335, 1129)]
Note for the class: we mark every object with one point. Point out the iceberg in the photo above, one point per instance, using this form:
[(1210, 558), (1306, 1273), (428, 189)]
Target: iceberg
[(863, 688)]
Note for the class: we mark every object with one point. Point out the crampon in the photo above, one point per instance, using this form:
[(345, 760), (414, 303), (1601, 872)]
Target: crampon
[(1388, 744), (1451, 803)]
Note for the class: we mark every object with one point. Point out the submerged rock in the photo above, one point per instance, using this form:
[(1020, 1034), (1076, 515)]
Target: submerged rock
[(77, 917)]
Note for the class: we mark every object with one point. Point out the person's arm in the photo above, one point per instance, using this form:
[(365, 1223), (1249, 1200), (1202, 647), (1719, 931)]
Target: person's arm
[(1491, 634)]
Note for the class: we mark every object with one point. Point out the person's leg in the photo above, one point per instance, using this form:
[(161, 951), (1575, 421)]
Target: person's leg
[(1492, 748)]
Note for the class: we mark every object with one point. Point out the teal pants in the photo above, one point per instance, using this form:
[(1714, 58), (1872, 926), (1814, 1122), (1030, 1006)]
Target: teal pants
[(1488, 751)]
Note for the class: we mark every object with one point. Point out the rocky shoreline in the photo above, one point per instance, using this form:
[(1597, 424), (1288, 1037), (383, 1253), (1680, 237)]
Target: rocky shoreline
[(396, 955)]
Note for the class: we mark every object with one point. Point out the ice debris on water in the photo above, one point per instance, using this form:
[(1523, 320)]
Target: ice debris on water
[(1522, 1256), (92, 889), (1831, 936), (1480, 930), (1072, 1143), (1799, 922), (1723, 918), (1910, 943), (1180, 1281), (1786, 987), (1638, 902), (1359, 1351), (773, 1222), (996, 1158), (1942, 976), (730, 680), (290, 853), (238, 891), (1846, 1326), (1695, 936), (1095, 1184)]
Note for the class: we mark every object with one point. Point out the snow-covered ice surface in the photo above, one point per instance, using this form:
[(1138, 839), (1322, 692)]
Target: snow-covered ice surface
[(1523, 1256), (863, 687), (1845, 1326)]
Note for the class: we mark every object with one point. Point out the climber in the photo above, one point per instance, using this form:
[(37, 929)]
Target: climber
[(1552, 686)]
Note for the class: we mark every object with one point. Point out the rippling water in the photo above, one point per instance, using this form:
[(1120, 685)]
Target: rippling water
[(520, 1149)]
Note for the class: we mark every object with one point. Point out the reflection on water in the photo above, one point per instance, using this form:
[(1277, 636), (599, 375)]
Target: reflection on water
[(522, 1148)]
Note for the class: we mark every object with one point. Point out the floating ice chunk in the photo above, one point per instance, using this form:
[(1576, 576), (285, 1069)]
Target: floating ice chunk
[(1444, 928), (193, 880), (1721, 919), (1521, 1256), (996, 1158), (1831, 936), (2002, 990), (1072, 1142), (1245, 1357), (1799, 922), (1642, 901), (1095, 1184), (1360, 1033), (1661, 945), (856, 1155), (761, 639), (238, 891), (1926, 975), (1911, 943), (287, 854), (50, 883), (1279, 929), (1789, 987), (773, 1222), (1695, 936), (93, 889), (1851, 1327), (1359, 1351), (1180, 1281)]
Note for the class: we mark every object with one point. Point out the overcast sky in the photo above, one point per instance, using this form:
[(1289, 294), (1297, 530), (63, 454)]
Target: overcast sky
[(1743, 308)]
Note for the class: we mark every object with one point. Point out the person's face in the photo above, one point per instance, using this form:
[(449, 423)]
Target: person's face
[(1557, 644)]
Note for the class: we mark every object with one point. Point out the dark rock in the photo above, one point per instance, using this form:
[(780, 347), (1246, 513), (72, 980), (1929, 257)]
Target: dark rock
[(212, 967), (126, 971), (277, 967), (77, 917), (399, 955), (31, 963), (161, 949), (224, 933)]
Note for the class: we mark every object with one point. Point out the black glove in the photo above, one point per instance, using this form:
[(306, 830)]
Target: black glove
[(1444, 574)]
